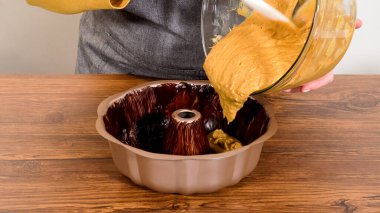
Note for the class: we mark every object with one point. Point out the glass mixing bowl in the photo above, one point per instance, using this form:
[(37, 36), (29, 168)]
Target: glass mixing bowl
[(329, 38), (218, 18)]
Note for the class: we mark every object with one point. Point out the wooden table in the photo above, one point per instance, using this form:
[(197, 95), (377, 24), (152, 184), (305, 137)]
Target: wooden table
[(324, 158)]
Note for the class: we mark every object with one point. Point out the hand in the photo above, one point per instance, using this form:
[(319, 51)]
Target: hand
[(322, 81)]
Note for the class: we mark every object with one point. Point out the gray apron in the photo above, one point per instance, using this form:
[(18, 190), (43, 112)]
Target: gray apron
[(155, 38)]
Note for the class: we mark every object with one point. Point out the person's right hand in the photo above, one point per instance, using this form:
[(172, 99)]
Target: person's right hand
[(358, 24)]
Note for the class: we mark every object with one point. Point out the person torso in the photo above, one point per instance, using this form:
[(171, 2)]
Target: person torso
[(157, 38)]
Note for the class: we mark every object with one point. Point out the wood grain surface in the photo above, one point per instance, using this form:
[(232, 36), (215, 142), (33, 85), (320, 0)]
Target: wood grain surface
[(325, 156)]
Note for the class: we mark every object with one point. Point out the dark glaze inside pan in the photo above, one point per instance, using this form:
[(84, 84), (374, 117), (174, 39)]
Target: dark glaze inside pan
[(141, 118)]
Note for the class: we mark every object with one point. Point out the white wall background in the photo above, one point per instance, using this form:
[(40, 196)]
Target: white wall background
[(36, 41)]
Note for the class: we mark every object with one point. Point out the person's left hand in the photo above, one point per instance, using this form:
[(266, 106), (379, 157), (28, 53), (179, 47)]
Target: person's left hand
[(322, 81)]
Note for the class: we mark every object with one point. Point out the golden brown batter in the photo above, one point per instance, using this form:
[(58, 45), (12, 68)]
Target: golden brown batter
[(257, 53), (221, 142)]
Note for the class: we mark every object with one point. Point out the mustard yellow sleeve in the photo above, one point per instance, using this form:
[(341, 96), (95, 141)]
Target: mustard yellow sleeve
[(77, 6)]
